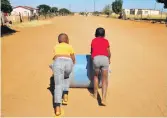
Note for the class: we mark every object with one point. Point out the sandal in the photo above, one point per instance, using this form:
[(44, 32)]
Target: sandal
[(65, 99)]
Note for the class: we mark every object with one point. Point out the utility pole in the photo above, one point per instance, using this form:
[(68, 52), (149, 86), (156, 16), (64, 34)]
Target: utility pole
[(161, 12), (94, 5), (70, 7), (155, 5)]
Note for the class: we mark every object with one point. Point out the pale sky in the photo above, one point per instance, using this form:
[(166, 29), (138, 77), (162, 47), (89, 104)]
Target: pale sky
[(81, 5)]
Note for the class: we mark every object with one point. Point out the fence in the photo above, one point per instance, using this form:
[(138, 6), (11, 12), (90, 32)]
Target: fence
[(18, 19), (147, 17), (15, 19)]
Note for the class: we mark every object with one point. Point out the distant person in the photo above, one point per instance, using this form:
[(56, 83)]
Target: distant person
[(100, 52), (64, 59)]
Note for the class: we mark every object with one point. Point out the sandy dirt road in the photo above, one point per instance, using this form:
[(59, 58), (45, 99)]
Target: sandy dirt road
[(138, 84)]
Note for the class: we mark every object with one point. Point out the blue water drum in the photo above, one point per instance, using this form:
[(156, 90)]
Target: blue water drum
[(82, 74)]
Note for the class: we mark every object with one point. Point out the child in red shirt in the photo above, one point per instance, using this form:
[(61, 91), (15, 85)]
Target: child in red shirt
[(100, 52)]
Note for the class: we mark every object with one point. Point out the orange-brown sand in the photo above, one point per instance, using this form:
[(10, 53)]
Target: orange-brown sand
[(137, 86)]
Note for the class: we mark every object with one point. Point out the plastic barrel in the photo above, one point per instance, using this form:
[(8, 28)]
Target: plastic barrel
[(82, 74)]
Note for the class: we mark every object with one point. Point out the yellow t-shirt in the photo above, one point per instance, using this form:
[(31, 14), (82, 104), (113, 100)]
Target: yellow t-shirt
[(63, 49)]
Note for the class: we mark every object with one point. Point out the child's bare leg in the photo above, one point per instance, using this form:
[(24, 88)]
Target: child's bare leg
[(104, 85), (96, 83)]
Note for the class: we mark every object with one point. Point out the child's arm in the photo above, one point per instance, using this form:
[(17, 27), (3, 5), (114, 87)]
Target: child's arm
[(91, 51), (72, 55), (73, 58), (109, 54), (54, 58), (54, 50)]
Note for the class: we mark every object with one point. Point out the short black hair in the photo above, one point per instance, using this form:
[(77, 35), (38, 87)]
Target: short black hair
[(59, 37), (100, 32)]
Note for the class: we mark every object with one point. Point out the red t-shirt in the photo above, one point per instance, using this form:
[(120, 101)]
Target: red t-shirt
[(99, 46)]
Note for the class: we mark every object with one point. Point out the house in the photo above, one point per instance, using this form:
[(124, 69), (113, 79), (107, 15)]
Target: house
[(144, 12), (126, 11), (76, 13), (24, 11)]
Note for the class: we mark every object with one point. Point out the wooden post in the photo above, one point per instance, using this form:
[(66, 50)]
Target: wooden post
[(2, 18), (161, 13), (141, 14), (28, 17), (166, 20), (1, 22), (20, 17)]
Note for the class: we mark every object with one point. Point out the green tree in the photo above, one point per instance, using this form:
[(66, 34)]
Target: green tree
[(54, 9), (81, 13), (6, 6), (96, 13), (44, 9), (164, 2), (107, 10), (117, 6), (64, 11)]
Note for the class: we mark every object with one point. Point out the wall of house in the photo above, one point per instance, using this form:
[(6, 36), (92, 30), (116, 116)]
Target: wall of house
[(127, 11), (146, 12), (23, 11), (14, 19), (133, 11), (136, 11), (35, 11), (150, 12), (153, 12)]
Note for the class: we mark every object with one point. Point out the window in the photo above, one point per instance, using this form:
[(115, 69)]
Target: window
[(25, 13), (139, 12), (146, 12), (132, 12)]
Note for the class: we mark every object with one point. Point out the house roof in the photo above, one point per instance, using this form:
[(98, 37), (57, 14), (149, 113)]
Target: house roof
[(26, 7)]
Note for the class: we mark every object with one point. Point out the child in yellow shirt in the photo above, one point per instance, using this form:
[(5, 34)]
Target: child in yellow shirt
[(64, 59)]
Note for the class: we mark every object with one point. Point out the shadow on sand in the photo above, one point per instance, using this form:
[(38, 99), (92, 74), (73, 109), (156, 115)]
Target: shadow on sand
[(51, 89), (5, 30), (90, 74), (98, 96)]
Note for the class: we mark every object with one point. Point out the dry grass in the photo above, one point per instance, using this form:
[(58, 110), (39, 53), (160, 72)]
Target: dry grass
[(33, 23)]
